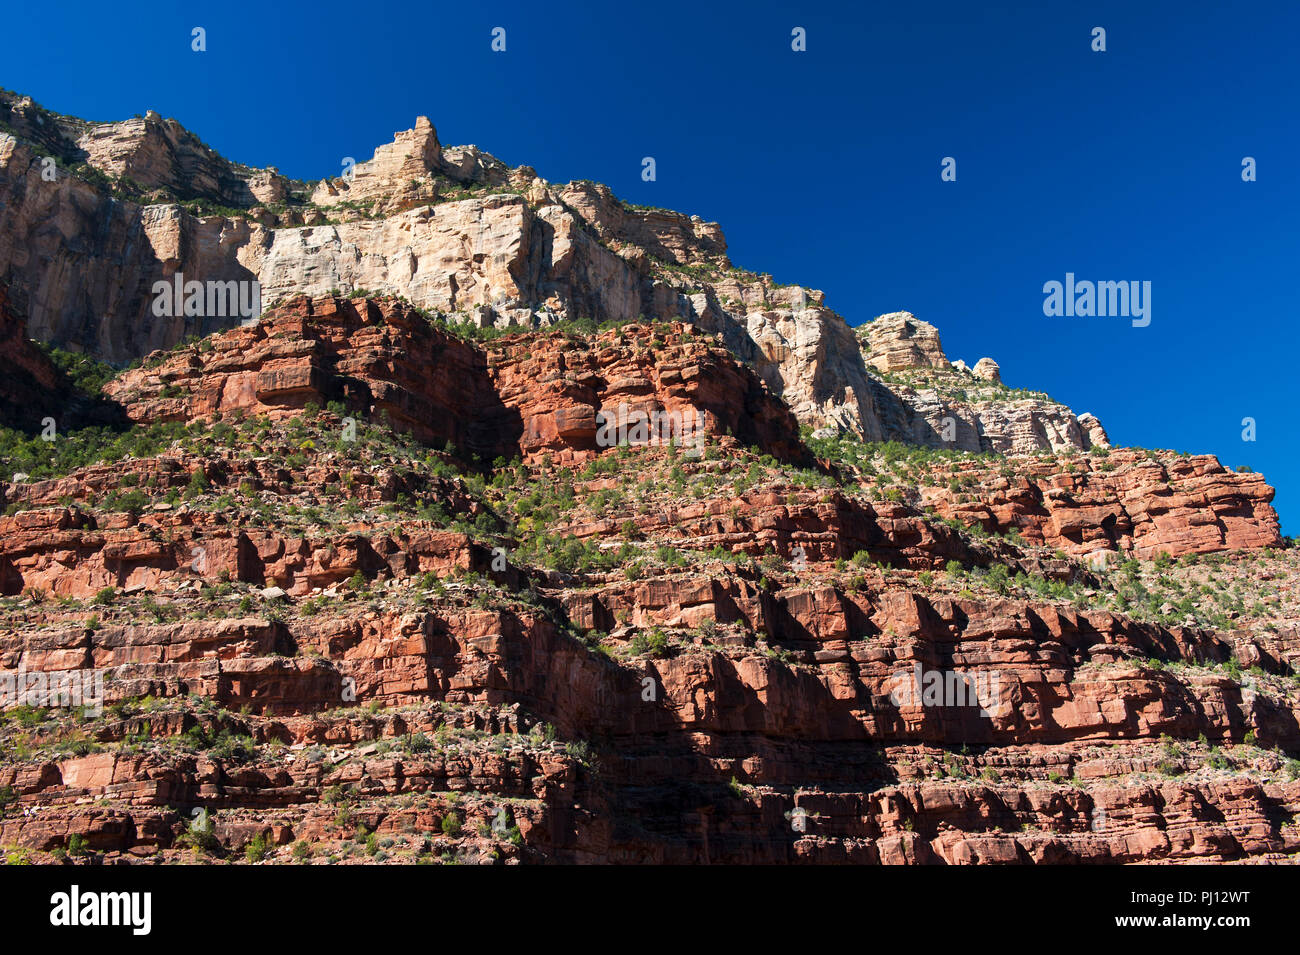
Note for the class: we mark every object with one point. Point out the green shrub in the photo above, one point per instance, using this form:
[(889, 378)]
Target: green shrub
[(652, 644), (257, 848)]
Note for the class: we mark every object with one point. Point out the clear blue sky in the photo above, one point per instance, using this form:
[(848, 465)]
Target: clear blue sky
[(823, 166)]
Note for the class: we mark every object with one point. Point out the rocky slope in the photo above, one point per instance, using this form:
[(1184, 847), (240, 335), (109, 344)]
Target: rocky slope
[(925, 399), (521, 397), (335, 646), (397, 578), (453, 230)]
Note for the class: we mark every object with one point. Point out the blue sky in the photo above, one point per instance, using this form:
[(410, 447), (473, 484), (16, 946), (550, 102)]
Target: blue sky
[(823, 166)]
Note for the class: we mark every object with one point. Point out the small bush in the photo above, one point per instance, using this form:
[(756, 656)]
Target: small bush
[(257, 848)]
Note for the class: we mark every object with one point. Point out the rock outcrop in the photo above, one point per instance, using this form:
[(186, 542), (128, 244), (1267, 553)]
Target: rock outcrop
[(1096, 434), (925, 399), (1130, 501), (148, 156), (987, 369), (519, 397), (451, 229), (899, 340), (81, 265), (161, 156)]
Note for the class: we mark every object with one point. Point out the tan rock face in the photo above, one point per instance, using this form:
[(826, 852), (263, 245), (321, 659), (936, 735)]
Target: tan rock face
[(900, 340), (451, 257), (987, 369), (147, 155), (810, 358), (526, 258), (1097, 437), (268, 187), (524, 254), (666, 235), (1019, 427), (399, 171), (161, 154), (934, 418), (925, 399), (96, 292)]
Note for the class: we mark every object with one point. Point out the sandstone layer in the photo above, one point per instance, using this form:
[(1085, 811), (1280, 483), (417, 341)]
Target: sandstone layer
[(516, 397)]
